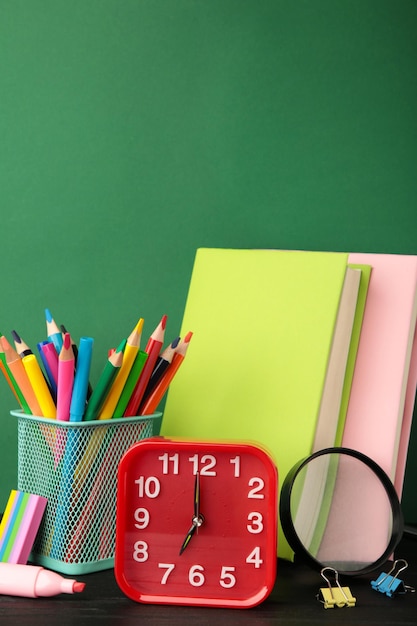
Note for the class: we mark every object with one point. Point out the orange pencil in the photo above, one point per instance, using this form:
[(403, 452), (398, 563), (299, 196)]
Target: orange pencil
[(15, 365), (151, 403), (12, 383), (152, 349)]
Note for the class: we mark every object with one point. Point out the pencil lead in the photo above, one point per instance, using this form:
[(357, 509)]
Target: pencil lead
[(67, 341), (16, 337)]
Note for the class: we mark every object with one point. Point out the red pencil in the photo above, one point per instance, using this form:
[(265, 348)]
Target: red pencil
[(152, 349), (163, 361), (151, 403)]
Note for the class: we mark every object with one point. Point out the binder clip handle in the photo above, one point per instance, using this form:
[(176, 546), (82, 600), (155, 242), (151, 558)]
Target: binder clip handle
[(389, 583), (337, 595)]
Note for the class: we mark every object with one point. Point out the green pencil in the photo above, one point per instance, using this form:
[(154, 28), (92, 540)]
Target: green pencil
[(130, 383), (104, 383)]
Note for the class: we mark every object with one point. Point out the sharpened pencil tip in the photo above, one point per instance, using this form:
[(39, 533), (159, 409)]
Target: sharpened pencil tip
[(67, 341), (16, 336), (48, 315)]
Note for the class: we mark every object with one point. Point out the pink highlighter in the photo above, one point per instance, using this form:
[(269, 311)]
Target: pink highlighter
[(33, 581)]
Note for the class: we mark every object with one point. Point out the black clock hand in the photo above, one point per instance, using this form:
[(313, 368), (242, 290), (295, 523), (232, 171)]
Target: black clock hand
[(197, 519), (197, 496)]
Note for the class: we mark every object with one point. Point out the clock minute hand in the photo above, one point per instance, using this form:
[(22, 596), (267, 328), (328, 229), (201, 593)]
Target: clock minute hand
[(197, 496), (197, 519)]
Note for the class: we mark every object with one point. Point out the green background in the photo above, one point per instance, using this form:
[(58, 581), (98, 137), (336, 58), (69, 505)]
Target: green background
[(134, 131)]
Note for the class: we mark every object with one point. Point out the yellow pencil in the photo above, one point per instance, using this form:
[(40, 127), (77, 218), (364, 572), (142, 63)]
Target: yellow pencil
[(129, 355), (39, 386)]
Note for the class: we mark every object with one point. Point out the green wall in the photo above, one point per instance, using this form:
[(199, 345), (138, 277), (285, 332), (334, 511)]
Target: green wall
[(134, 131)]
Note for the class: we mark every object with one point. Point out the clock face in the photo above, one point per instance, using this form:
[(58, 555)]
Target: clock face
[(196, 523)]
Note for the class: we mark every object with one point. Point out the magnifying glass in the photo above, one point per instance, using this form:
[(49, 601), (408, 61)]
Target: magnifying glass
[(339, 509)]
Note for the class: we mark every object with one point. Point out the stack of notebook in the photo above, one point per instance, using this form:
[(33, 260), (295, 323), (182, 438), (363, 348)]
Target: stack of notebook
[(300, 351)]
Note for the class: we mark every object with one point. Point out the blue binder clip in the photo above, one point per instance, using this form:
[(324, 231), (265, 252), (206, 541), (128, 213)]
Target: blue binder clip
[(390, 584)]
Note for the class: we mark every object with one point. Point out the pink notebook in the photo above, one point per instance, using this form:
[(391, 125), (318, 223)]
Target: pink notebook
[(384, 375), (380, 409)]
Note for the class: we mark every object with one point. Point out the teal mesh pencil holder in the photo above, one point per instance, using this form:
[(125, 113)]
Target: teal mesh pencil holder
[(74, 465)]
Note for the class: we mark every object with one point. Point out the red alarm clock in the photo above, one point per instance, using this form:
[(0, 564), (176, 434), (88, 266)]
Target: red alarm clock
[(196, 523)]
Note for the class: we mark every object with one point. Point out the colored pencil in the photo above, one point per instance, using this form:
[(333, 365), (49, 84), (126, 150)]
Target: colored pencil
[(15, 365), (152, 349), (11, 381), (129, 355), (53, 331), (104, 383), (132, 379), (65, 379), (75, 350), (22, 348), (162, 363), (151, 404), (39, 386)]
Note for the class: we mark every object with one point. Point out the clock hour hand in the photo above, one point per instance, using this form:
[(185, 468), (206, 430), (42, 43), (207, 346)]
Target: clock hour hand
[(197, 519)]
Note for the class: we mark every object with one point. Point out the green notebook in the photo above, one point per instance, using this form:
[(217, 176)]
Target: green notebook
[(263, 323)]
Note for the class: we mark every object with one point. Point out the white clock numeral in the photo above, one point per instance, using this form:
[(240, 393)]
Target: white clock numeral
[(149, 487), (141, 518), (196, 576), (140, 553), (257, 485), (204, 465), (236, 462), (169, 567), (227, 578), (167, 459), (255, 525), (254, 557)]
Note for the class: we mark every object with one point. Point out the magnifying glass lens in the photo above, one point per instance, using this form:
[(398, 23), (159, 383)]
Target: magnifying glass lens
[(339, 509)]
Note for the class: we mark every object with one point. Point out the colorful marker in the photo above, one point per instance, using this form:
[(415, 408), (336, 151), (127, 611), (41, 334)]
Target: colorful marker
[(33, 581), (81, 380)]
